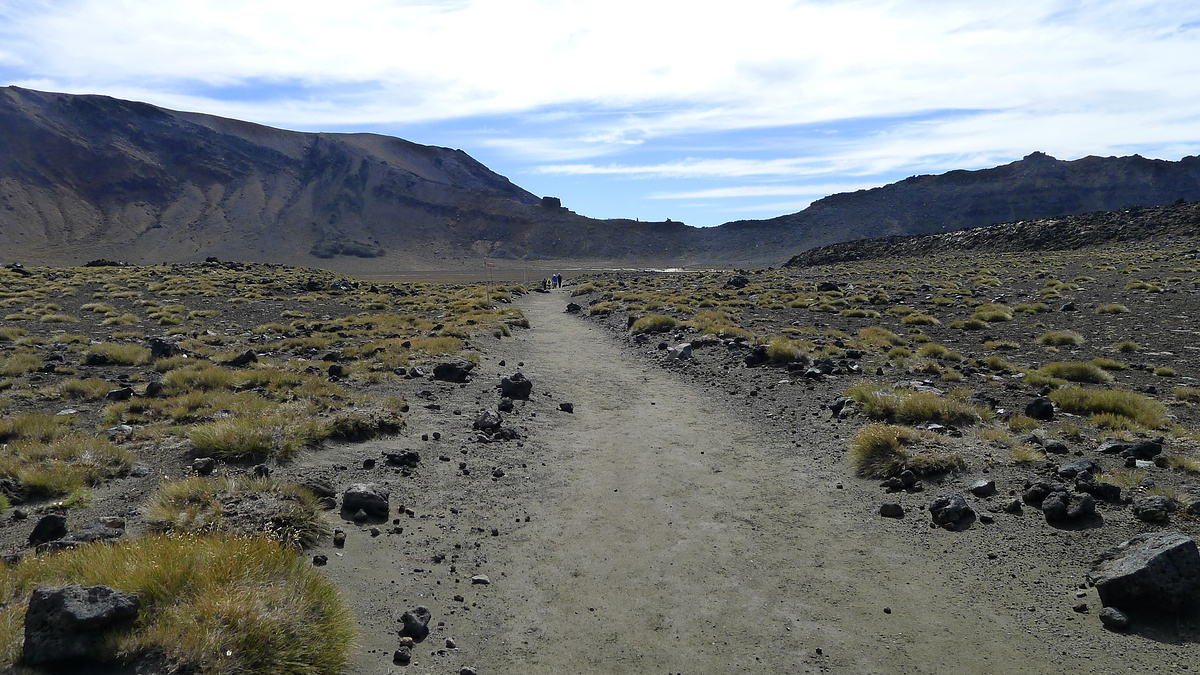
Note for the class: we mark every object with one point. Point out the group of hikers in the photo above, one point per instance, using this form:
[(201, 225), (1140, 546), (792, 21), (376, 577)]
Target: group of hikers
[(553, 281)]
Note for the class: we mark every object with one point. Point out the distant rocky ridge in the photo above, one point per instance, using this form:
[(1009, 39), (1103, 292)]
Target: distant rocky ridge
[(1045, 234), (93, 177)]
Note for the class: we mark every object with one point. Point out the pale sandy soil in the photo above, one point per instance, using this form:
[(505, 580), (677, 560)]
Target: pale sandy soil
[(668, 527)]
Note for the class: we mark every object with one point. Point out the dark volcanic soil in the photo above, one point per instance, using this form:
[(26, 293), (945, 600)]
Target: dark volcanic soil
[(701, 516)]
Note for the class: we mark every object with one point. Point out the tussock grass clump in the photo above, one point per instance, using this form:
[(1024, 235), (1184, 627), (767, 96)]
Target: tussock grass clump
[(210, 605), (1165, 371), (1001, 345), (583, 289), (115, 352), (359, 426), (1127, 347), (932, 350), (90, 389), (1032, 308), (785, 350), (1108, 364), (271, 435), (283, 511), (1061, 372), (19, 363), (34, 427), (970, 324), (11, 333), (993, 312), (884, 450), (1112, 308), (876, 336), (1059, 338), (1025, 454), (919, 319), (1119, 402), (63, 465), (1188, 394), (654, 323), (912, 407)]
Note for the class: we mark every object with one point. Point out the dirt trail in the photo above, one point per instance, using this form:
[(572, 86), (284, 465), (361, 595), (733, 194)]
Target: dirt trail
[(679, 538)]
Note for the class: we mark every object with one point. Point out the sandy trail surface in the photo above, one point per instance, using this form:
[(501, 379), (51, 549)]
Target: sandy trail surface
[(677, 537)]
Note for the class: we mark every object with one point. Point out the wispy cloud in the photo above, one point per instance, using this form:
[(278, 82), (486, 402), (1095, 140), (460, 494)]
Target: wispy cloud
[(702, 100)]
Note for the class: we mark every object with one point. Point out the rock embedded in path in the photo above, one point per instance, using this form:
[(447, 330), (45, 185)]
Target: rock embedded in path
[(453, 371), (572, 308), (369, 497), (1156, 571), (68, 623), (516, 387), (566, 407), (1065, 506), (984, 487), (891, 510), (1153, 508), (487, 420), (505, 405), (1040, 409), (952, 512), (1114, 618), (50, 527), (416, 623)]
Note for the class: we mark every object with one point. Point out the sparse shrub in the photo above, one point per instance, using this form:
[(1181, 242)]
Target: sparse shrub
[(882, 450), (20, 363), (1127, 347), (1022, 423), (654, 323), (1108, 364), (1060, 338), (932, 350), (1188, 394), (913, 407), (876, 336), (1025, 454), (920, 319), (1131, 405), (992, 312), (1032, 308), (64, 464), (288, 513), (123, 354), (784, 350), (1061, 372), (210, 605)]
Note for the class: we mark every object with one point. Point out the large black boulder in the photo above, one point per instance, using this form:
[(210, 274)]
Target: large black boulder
[(516, 387), (68, 623), (1156, 572)]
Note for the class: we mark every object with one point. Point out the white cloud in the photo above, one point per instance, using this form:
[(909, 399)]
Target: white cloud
[(765, 191)]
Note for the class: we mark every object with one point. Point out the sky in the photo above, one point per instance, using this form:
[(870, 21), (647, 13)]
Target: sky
[(699, 111)]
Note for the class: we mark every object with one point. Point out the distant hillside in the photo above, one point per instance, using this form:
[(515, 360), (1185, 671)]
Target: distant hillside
[(86, 177), (1046, 234)]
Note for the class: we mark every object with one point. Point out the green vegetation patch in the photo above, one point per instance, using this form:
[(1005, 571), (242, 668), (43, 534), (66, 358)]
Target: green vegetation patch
[(210, 605), (1118, 402), (288, 513), (913, 407), (884, 450)]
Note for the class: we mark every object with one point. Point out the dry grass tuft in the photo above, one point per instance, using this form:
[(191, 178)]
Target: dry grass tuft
[(883, 450)]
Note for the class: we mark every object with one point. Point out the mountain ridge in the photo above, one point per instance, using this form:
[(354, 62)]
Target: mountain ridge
[(86, 176)]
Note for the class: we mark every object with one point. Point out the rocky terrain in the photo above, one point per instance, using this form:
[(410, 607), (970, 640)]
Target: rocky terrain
[(894, 465), (90, 177)]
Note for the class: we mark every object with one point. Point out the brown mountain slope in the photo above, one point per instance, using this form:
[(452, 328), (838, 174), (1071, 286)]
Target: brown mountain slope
[(1037, 186), (1045, 234), (85, 177)]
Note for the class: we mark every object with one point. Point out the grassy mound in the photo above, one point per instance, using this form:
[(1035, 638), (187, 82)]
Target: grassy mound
[(209, 604)]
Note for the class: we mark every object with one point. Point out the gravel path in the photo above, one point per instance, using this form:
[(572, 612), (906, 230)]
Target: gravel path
[(679, 538)]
